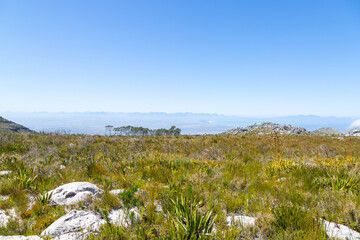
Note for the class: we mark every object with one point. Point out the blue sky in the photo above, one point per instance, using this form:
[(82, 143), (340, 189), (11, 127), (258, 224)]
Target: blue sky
[(246, 58)]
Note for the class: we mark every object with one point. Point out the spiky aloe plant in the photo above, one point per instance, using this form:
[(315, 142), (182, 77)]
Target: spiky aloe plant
[(341, 181), (189, 221), (24, 181), (43, 198)]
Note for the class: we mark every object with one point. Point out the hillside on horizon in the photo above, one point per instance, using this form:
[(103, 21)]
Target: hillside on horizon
[(9, 126)]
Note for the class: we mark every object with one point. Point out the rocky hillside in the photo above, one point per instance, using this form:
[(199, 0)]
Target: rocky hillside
[(355, 132), (327, 131), (8, 126), (267, 128)]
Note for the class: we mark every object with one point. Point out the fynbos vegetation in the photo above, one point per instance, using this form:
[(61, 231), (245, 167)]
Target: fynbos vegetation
[(181, 187)]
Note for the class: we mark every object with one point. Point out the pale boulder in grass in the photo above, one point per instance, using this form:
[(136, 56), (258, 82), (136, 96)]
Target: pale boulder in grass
[(116, 191), (243, 220), (74, 222), (120, 217), (5, 216), (4, 198), (74, 192), (339, 231), (83, 235), (18, 237), (3, 173)]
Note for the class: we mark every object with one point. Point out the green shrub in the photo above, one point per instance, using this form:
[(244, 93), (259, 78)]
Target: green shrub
[(128, 197)]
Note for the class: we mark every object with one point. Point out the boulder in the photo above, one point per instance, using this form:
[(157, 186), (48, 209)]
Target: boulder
[(240, 219), (120, 217), (74, 222), (73, 193), (83, 235), (355, 132), (339, 231), (116, 191), (4, 198), (158, 206), (31, 202), (5, 216), (2, 173), (19, 237)]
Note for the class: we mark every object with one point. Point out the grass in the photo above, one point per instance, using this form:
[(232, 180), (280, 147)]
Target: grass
[(287, 182)]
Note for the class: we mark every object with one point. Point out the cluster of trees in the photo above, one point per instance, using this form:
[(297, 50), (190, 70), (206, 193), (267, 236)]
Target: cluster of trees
[(141, 131)]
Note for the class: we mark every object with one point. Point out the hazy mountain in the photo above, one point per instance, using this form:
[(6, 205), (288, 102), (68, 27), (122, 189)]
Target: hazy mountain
[(190, 123)]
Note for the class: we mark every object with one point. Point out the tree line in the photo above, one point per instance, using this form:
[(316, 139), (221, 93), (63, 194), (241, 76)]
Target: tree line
[(141, 131)]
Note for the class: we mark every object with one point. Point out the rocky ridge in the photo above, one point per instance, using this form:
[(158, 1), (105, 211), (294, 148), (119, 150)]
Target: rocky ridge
[(355, 132), (267, 128)]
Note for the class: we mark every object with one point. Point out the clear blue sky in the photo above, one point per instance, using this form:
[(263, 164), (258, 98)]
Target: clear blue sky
[(235, 57)]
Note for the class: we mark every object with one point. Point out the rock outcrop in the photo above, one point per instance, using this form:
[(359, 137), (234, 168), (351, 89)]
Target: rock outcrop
[(74, 192), (2, 173), (74, 222), (355, 132), (240, 219), (116, 191), (339, 231), (5, 216), (19, 237), (4, 198), (120, 217), (267, 128)]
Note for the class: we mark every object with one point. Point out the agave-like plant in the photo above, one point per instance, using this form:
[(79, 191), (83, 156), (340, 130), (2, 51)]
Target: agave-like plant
[(189, 221), (24, 181), (341, 181), (43, 198)]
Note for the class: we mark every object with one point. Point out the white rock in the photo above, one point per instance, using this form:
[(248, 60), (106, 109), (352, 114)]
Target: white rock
[(62, 167), (120, 217), (2, 173), (74, 222), (73, 236), (19, 237), (309, 164), (158, 206), (116, 191), (240, 219), (31, 202), (339, 231), (74, 192), (282, 179), (5, 216), (4, 198)]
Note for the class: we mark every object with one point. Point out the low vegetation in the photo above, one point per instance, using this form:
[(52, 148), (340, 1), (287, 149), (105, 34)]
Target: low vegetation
[(288, 182)]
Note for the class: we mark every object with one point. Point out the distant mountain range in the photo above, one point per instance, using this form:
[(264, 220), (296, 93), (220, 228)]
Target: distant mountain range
[(9, 126), (190, 123)]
